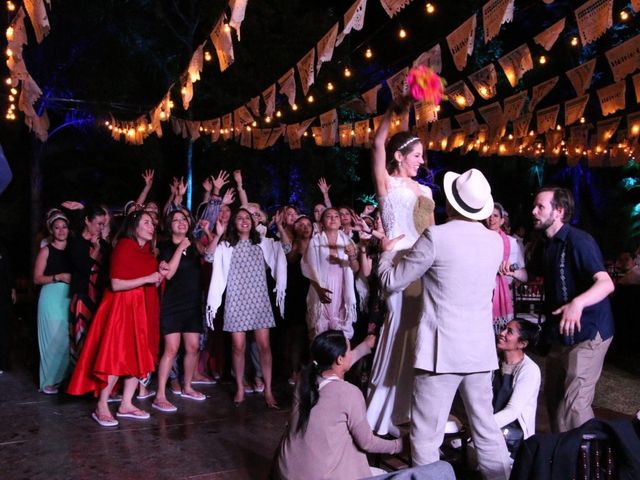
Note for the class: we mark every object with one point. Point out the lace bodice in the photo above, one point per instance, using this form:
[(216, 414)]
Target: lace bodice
[(405, 213)]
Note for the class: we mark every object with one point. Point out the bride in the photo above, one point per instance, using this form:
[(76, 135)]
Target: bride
[(407, 210)]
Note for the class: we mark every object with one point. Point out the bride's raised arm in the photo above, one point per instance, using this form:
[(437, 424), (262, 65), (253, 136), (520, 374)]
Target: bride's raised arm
[(378, 155)]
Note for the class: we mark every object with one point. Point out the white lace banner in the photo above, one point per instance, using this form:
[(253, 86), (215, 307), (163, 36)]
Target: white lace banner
[(574, 109), (326, 46), (594, 18), (370, 98), (612, 97), (287, 83), (553, 140), (38, 16), (344, 132), (516, 63), (254, 106), (460, 42), (484, 81), (394, 6), (521, 125), (187, 93), (625, 58), (242, 116), (425, 113), (633, 125), (195, 64), (547, 38), (513, 106), (353, 19), (580, 77), (578, 138), (440, 130), (361, 129), (606, 129), (459, 95), (468, 122), (238, 8), (494, 14), (494, 117), (221, 40), (306, 71), (636, 86), (547, 118), (397, 83), (260, 138), (269, 98), (275, 134), (432, 59), (245, 136), (540, 91), (329, 128)]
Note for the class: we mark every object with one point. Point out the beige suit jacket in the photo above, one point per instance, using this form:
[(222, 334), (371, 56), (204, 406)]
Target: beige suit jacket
[(458, 262)]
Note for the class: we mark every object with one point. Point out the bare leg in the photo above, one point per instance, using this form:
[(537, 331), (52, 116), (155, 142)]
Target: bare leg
[(171, 346), (238, 345), (130, 385), (262, 339), (103, 407), (191, 346)]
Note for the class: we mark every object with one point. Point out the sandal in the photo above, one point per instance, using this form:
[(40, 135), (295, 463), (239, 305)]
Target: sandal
[(104, 420), (164, 406), (136, 414)]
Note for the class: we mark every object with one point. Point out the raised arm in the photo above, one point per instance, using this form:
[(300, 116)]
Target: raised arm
[(173, 190), (207, 186), (242, 194), (324, 188), (147, 175), (378, 156)]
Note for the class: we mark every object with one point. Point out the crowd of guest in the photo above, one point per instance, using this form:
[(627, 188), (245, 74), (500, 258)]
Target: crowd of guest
[(163, 298)]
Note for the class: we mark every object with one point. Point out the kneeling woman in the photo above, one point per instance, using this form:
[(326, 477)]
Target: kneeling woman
[(516, 384), (239, 267), (328, 435), (124, 335)]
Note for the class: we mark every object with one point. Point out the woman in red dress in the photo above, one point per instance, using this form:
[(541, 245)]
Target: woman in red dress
[(123, 338)]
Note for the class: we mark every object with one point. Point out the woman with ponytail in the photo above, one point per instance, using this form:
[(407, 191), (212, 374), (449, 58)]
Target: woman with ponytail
[(328, 435)]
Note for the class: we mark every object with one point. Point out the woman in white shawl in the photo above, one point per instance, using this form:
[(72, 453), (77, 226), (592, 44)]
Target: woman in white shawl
[(330, 263), (239, 267)]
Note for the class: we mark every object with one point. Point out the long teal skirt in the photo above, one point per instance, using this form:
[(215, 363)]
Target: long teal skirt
[(53, 333)]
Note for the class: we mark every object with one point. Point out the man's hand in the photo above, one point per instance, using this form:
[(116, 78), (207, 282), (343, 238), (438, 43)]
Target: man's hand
[(570, 317), (387, 245)]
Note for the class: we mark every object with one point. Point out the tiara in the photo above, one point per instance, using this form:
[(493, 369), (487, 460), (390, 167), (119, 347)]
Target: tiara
[(407, 143)]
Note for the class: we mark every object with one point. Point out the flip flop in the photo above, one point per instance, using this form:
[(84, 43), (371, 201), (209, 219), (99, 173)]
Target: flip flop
[(114, 398), (208, 381), (149, 394), (104, 420), (165, 407), (136, 414), (194, 396)]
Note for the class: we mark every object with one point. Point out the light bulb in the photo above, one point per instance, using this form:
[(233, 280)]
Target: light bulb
[(279, 113), (267, 119), (294, 107), (310, 99), (330, 86), (430, 8), (624, 15), (368, 53), (402, 33), (542, 59), (207, 56), (347, 72), (574, 42)]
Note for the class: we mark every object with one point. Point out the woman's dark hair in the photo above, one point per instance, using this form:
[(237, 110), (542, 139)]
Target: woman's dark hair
[(93, 211), (528, 332), (130, 224), (402, 142), (232, 231), (325, 349), (326, 210), (168, 220), (300, 219)]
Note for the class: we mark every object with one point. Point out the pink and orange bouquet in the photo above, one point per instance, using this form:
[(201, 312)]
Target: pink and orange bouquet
[(425, 85)]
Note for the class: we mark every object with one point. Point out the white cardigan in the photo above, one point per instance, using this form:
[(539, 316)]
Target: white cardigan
[(524, 399), (275, 260)]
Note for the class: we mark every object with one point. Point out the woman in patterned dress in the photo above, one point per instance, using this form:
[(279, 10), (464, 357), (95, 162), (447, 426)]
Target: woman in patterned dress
[(239, 267)]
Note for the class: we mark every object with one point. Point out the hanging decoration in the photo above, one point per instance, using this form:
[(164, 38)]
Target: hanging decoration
[(459, 95), (574, 109), (513, 106), (221, 39), (306, 71), (521, 125), (580, 77), (392, 7), (494, 14), (594, 18), (287, 85), (547, 38), (636, 86), (39, 18), (468, 122), (540, 91), (269, 98), (612, 97), (353, 20), (547, 118), (516, 63), (397, 83), (432, 59), (460, 42), (238, 8), (625, 58), (325, 47), (484, 81), (328, 128), (370, 98)]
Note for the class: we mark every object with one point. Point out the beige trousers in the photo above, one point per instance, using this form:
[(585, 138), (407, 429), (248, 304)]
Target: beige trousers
[(571, 375), (432, 398)]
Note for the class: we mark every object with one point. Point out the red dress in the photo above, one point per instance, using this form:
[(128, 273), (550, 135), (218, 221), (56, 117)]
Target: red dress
[(123, 338)]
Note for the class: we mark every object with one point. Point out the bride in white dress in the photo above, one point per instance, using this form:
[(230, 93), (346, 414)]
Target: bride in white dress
[(407, 210)]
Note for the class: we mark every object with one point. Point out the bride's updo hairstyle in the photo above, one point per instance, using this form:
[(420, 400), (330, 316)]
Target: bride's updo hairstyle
[(402, 142)]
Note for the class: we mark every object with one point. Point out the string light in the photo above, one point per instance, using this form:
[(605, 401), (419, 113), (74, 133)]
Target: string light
[(402, 33), (310, 99), (330, 86), (368, 53), (430, 8), (227, 28), (347, 72), (294, 107), (10, 33), (254, 124), (11, 6), (279, 113), (542, 60), (267, 119), (582, 120), (207, 56), (635, 129), (574, 42), (8, 81), (483, 91), (461, 101), (624, 15)]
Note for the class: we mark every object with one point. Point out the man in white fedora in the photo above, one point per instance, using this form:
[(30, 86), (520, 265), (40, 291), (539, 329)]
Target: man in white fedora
[(455, 346)]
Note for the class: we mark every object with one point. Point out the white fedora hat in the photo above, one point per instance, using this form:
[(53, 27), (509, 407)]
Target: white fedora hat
[(469, 194)]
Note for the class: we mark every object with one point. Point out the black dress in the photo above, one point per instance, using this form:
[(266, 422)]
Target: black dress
[(181, 303)]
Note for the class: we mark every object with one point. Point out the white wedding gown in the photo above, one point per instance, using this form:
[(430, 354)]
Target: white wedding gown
[(391, 383)]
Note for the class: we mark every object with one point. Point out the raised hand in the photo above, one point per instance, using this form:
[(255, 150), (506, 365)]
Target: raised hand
[(220, 228), (71, 205), (323, 186), (147, 175), (237, 177), (220, 181), (229, 196), (173, 186), (182, 187)]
